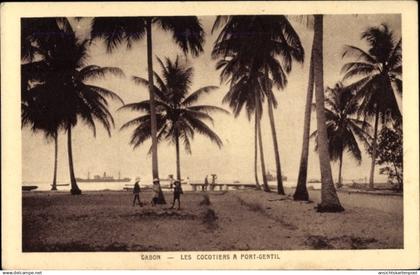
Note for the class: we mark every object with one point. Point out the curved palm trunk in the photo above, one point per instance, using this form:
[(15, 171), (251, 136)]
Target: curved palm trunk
[(54, 183), (74, 188), (374, 145), (178, 162), (329, 198), (155, 171), (340, 179), (264, 175), (301, 192), (280, 189), (257, 182)]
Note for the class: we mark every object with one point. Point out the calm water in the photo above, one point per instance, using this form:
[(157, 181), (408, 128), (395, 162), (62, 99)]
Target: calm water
[(97, 186)]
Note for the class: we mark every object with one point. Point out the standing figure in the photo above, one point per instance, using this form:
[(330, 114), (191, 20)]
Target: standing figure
[(155, 191), (206, 183), (171, 181), (213, 181), (177, 194), (136, 192)]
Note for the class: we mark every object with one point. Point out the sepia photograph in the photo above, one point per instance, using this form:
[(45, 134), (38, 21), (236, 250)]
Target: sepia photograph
[(216, 133)]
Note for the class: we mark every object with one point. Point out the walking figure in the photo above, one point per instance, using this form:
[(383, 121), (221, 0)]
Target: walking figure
[(136, 192), (177, 194)]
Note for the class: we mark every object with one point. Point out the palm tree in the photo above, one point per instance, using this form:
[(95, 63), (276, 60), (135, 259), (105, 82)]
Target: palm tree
[(257, 182), (66, 75), (343, 127), (247, 92), (379, 79), (329, 198), (258, 42), (186, 32), (178, 119), (301, 192), (37, 107), (39, 116)]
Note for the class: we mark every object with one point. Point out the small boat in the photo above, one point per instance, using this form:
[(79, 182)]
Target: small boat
[(62, 184), (29, 187), (314, 181)]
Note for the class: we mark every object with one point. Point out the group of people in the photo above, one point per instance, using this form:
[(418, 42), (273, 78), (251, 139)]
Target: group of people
[(206, 182), (156, 190)]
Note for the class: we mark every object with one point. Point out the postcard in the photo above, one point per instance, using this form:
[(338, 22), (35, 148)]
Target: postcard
[(210, 135)]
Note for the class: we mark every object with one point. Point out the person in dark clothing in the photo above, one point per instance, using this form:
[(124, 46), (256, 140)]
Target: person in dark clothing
[(136, 192), (177, 193), (206, 183)]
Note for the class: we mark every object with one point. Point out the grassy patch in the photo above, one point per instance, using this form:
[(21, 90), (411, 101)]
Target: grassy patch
[(210, 219), (206, 200)]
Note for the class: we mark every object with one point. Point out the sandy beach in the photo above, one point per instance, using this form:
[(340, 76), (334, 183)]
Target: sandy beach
[(227, 220)]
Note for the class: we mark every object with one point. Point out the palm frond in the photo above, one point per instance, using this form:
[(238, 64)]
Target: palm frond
[(95, 72), (204, 130), (194, 96), (118, 30), (359, 54), (186, 31)]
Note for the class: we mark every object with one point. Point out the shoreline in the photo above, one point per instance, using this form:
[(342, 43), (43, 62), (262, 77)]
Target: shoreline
[(378, 192)]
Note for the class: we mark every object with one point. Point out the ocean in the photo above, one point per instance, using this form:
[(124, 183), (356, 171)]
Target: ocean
[(119, 186)]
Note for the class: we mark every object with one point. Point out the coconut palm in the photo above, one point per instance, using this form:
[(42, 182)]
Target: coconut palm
[(65, 75), (38, 115), (186, 32), (245, 92), (329, 198), (343, 128), (378, 82), (178, 117), (259, 42), (301, 192), (37, 106)]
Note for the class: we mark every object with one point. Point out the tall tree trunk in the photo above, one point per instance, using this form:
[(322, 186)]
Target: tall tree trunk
[(301, 192), (178, 162), (54, 183), (329, 198), (374, 146), (155, 170), (74, 188), (264, 175), (257, 182), (280, 189), (340, 179)]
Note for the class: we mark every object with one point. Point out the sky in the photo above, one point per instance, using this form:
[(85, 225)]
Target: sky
[(235, 160)]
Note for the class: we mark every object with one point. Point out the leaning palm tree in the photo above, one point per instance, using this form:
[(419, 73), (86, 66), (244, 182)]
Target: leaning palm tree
[(343, 127), (178, 118), (329, 198), (259, 42), (186, 32), (66, 75), (301, 192), (378, 79)]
